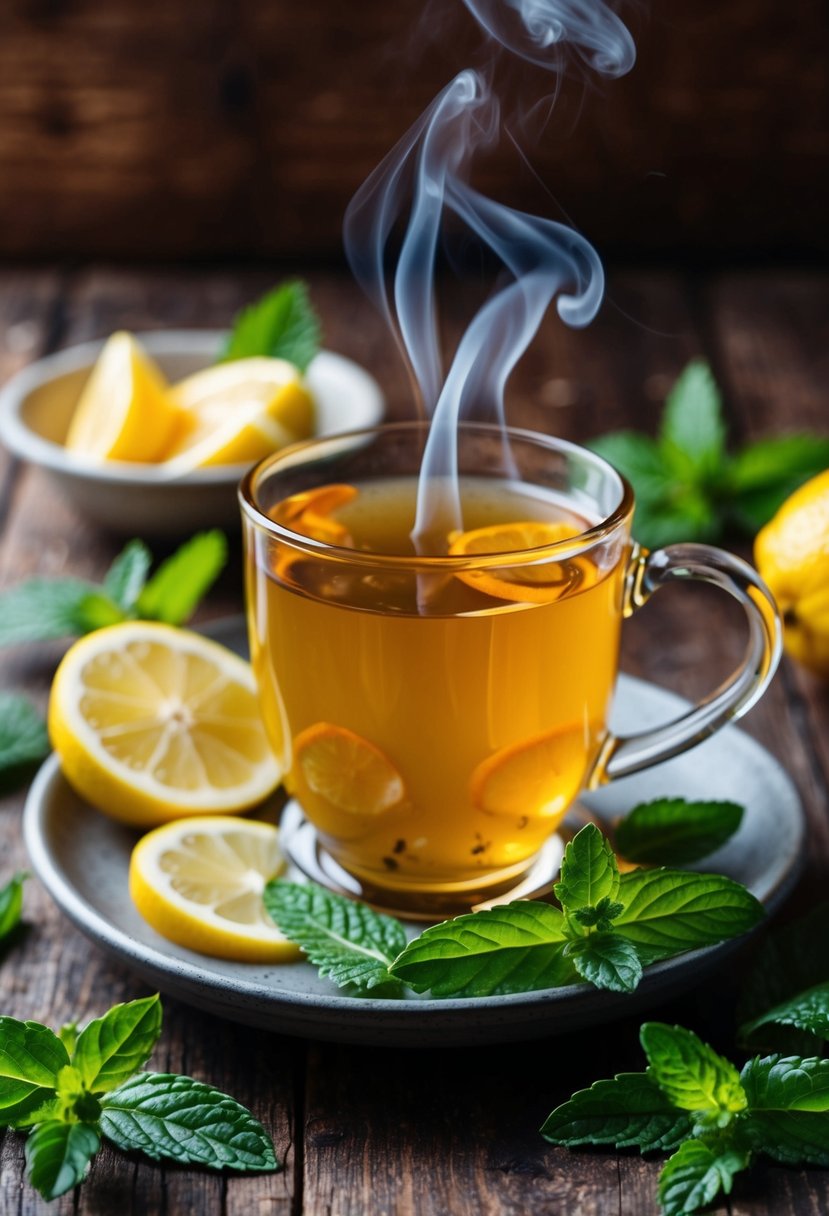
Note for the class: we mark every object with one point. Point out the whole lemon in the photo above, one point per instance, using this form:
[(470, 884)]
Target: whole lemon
[(792, 555)]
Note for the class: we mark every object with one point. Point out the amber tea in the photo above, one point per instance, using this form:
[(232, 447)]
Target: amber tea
[(436, 726)]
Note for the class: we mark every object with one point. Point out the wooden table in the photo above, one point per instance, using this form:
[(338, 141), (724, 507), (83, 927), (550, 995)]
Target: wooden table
[(368, 1131)]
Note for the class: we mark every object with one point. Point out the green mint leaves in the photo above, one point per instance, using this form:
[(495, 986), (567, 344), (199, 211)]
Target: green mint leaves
[(44, 609), (182, 581), (688, 486), (71, 1090), (671, 831), (281, 325), (11, 906), (174, 1118), (23, 737), (609, 926), (694, 1101), (349, 942)]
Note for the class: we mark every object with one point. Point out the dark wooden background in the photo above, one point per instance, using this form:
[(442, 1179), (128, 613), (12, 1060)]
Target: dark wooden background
[(171, 128)]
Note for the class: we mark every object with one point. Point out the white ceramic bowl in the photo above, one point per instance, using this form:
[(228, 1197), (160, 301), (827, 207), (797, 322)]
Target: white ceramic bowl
[(145, 499)]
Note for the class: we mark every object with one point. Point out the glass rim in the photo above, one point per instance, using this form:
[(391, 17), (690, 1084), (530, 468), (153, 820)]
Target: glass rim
[(554, 551)]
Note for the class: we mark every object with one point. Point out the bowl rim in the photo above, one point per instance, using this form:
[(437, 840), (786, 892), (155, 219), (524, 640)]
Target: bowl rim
[(27, 444)]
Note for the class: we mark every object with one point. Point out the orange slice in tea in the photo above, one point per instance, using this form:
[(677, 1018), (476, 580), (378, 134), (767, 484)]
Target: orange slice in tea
[(537, 584), (538, 778), (310, 513), (346, 770)]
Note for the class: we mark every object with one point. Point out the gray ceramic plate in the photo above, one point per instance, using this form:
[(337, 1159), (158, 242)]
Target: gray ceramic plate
[(82, 859)]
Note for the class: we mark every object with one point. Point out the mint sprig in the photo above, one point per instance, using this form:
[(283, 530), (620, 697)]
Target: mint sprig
[(693, 1100), (688, 486), (281, 325), (610, 926), (69, 1091), (46, 609)]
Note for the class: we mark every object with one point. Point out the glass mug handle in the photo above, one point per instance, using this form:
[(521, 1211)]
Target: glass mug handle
[(622, 755)]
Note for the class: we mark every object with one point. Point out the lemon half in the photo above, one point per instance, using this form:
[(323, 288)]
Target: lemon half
[(199, 883), (152, 723)]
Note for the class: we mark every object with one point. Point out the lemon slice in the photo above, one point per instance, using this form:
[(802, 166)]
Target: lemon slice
[(538, 778), (199, 883), (124, 412), (347, 771), (152, 723), (535, 584), (238, 412)]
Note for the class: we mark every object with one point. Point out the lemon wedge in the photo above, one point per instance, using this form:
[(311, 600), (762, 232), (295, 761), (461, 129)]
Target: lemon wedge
[(238, 412), (124, 411), (152, 723), (199, 883)]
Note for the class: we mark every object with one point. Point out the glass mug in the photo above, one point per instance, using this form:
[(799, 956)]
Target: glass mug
[(437, 715)]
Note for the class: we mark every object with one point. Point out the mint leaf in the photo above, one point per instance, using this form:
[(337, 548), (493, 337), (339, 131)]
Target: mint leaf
[(517, 947), (183, 579), (668, 911), (671, 831), (789, 960), (30, 1059), (629, 1111), (787, 1083), (23, 737), (96, 611), (780, 464), (689, 1072), (176, 1118), (281, 325), (43, 609), (127, 575), (601, 916), (111, 1048), (349, 942), (807, 1011), (692, 431), (58, 1156), (11, 904), (687, 514), (588, 871), (788, 1100), (606, 960), (637, 457), (697, 1172)]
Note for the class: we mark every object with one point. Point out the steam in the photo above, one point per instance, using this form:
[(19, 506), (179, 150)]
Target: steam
[(540, 30), (427, 172)]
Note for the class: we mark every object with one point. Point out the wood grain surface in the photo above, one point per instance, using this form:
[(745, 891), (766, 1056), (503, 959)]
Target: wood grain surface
[(373, 1131), (160, 128)]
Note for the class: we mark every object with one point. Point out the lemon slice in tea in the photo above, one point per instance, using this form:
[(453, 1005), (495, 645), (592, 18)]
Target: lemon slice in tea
[(536, 584)]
